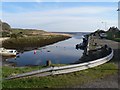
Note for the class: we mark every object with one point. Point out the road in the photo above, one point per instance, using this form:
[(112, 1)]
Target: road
[(109, 81)]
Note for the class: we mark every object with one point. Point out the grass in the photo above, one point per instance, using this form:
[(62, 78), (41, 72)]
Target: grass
[(58, 81), (32, 41), (27, 31), (117, 39), (9, 71), (114, 39), (114, 36)]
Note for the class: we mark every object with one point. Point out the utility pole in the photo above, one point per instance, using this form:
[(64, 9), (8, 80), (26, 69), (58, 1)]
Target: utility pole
[(118, 15)]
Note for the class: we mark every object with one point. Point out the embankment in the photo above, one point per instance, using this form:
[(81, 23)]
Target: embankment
[(31, 42), (2, 39)]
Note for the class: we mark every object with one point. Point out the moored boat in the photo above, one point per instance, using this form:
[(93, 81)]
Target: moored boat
[(8, 52)]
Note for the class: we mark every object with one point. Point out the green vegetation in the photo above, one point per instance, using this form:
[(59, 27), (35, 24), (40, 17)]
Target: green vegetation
[(4, 34), (113, 34), (6, 29), (32, 41), (26, 31), (9, 71), (114, 39), (17, 33), (117, 39), (27, 38), (64, 80)]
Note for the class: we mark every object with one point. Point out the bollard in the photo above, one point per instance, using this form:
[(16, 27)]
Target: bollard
[(34, 51), (48, 63)]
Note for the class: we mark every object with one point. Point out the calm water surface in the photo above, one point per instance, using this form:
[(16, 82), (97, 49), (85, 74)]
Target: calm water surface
[(63, 52)]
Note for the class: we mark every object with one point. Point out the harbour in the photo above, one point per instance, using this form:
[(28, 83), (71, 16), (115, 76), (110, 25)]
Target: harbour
[(63, 52)]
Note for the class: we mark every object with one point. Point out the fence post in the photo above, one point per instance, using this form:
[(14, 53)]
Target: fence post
[(48, 63)]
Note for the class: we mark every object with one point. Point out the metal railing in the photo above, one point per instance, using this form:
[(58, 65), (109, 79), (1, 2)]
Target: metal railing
[(66, 69)]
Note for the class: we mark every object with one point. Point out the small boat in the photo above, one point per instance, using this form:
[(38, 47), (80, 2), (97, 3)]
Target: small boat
[(8, 52)]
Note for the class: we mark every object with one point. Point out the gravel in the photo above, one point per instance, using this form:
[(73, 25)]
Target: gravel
[(106, 82)]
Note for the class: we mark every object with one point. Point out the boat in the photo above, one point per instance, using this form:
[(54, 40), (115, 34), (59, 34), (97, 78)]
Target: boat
[(8, 52)]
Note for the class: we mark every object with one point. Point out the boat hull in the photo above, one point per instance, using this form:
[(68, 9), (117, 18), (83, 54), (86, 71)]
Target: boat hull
[(7, 54)]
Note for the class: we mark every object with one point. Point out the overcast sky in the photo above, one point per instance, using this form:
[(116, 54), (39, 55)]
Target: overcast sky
[(60, 16)]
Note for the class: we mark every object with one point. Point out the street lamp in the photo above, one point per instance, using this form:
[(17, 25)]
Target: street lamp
[(105, 24), (118, 15), (118, 9)]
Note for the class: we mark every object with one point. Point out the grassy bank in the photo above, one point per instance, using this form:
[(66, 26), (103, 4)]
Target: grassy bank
[(28, 32), (9, 71), (113, 34), (32, 41), (114, 39), (65, 80)]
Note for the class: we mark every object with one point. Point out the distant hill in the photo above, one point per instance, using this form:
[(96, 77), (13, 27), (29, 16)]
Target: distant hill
[(7, 30), (28, 31), (5, 27)]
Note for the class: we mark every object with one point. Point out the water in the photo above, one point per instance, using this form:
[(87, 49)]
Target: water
[(63, 52)]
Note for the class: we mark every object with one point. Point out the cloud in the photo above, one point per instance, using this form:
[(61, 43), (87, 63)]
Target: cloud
[(78, 11), (65, 19), (60, 0), (72, 10)]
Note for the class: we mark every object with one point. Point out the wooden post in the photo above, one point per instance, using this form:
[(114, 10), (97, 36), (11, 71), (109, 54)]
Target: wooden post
[(48, 63)]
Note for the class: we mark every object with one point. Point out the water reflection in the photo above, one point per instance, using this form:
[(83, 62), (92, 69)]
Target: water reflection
[(63, 52)]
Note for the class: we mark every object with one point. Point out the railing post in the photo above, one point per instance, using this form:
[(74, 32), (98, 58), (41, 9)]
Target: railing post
[(48, 63)]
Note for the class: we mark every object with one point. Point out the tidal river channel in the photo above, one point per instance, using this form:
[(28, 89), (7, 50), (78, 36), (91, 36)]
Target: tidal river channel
[(63, 52)]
